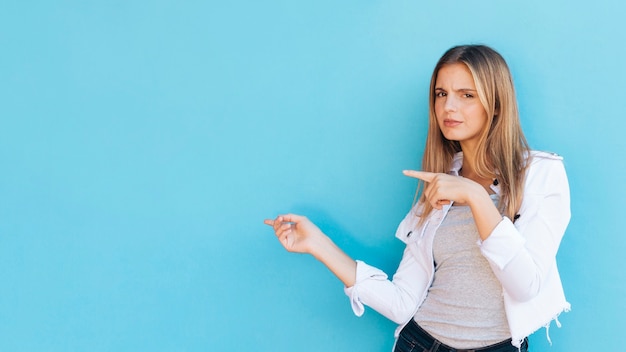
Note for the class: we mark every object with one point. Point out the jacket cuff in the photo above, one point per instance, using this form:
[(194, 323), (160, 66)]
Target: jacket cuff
[(364, 272), (503, 244)]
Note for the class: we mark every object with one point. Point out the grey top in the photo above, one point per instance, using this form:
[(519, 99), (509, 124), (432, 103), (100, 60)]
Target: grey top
[(464, 307)]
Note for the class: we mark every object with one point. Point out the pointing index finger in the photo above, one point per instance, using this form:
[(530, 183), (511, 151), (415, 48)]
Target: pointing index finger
[(422, 175)]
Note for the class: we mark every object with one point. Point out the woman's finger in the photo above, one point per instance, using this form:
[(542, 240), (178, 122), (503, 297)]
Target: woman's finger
[(293, 218), (275, 223), (422, 175), (278, 222), (285, 227), (428, 188), (431, 192), (288, 218)]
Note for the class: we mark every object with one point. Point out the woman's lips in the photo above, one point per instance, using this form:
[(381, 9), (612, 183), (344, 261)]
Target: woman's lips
[(451, 123)]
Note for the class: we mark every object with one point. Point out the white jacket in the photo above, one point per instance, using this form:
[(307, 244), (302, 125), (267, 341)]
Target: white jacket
[(522, 256)]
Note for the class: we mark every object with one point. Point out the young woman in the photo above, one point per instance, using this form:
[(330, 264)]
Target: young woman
[(479, 270)]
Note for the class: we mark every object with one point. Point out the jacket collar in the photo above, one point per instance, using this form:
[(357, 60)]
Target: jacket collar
[(457, 164)]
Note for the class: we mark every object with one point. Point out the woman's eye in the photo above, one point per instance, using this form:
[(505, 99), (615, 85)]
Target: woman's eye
[(440, 94), (467, 95)]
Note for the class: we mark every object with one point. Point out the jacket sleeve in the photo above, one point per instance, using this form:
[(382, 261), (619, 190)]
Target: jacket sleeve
[(396, 299), (523, 254)]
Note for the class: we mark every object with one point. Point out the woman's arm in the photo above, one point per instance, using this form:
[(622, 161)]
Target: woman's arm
[(523, 255), (395, 299)]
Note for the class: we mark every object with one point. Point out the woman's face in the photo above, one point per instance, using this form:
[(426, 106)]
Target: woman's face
[(460, 114)]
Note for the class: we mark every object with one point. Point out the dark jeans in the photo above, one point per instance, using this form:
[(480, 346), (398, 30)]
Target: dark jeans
[(414, 339)]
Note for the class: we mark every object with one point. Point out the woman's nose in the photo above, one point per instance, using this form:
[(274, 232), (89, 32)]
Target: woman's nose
[(450, 104)]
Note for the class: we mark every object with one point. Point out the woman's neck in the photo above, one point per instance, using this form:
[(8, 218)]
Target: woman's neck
[(469, 161), (468, 170)]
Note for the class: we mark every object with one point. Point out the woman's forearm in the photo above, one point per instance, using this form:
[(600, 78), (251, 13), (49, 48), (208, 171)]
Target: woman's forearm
[(339, 263), (485, 213)]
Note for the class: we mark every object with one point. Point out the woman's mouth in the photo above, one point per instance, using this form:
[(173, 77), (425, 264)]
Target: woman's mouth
[(451, 123)]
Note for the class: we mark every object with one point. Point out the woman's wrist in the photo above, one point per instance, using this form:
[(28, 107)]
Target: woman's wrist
[(319, 244), (478, 196)]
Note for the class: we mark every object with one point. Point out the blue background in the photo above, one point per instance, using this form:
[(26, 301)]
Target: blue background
[(142, 143)]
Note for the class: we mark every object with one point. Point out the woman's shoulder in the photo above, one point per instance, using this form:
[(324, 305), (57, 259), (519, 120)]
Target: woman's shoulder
[(538, 159), (543, 155), (545, 169)]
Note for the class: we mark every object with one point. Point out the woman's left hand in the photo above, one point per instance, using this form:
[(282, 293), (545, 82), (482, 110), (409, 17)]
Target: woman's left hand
[(441, 188)]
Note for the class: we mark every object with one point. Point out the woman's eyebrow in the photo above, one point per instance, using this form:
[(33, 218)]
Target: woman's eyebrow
[(458, 90)]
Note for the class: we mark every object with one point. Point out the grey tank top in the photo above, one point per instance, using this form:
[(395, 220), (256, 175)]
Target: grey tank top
[(464, 307)]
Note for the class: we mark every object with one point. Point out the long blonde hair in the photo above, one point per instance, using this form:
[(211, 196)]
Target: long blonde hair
[(502, 148)]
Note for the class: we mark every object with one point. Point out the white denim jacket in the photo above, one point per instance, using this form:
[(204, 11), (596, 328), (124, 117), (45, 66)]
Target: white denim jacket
[(522, 256)]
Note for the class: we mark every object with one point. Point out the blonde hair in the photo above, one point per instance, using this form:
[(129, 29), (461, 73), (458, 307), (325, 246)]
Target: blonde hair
[(502, 148)]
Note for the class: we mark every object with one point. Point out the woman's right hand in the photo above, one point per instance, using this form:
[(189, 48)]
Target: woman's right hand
[(296, 233)]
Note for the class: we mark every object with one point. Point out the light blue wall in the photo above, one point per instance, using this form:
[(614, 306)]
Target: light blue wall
[(142, 143)]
